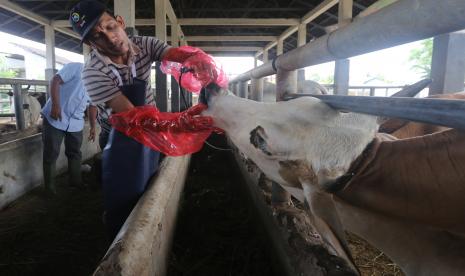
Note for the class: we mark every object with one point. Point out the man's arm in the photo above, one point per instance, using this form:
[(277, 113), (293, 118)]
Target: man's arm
[(55, 83), (120, 103), (92, 115)]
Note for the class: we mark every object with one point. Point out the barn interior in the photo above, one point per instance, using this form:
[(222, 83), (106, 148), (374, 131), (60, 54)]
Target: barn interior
[(215, 212)]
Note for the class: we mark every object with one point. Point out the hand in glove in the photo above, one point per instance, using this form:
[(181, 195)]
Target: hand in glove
[(171, 133), (203, 66)]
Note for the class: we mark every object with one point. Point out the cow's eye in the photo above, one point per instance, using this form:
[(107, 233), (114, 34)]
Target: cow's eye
[(258, 139)]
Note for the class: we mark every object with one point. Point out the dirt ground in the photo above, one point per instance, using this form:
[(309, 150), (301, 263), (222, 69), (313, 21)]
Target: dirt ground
[(216, 234), (370, 261), (62, 235)]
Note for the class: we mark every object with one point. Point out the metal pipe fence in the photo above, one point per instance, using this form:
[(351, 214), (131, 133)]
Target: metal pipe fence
[(12, 92), (401, 22)]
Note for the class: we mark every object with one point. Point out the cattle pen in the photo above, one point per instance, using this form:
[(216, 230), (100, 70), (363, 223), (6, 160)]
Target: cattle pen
[(250, 225)]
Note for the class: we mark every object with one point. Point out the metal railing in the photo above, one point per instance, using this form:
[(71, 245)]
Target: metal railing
[(401, 22), (15, 89), (368, 90)]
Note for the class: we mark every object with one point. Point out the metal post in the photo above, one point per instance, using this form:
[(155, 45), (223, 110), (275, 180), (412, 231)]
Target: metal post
[(372, 91), (448, 63), (175, 94), (243, 93), (161, 96), (237, 88), (341, 77), (256, 90), (290, 76), (284, 84), (301, 40), (49, 52), (183, 100), (19, 110), (342, 66)]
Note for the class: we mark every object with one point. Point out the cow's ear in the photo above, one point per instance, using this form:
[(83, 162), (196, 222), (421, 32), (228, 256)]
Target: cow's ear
[(258, 139)]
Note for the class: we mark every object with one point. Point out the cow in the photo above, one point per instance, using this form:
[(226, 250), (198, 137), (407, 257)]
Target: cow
[(404, 196), (32, 105), (32, 110), (405, 129)]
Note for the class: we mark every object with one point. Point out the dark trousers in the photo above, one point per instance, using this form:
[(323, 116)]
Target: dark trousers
[(52, 139), (103, 138)]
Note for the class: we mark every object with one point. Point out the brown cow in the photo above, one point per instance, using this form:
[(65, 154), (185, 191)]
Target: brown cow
[(403, 196)]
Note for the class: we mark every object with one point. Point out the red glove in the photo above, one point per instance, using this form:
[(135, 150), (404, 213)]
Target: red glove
[(180, 54), (171, 133), (204, 68)]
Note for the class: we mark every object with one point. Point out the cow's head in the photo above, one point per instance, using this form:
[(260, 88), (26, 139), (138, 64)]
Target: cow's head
[(303, 130), (302, 144)]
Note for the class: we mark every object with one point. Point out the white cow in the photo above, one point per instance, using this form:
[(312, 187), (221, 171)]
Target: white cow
[(334, 161), (32, 110), (31, 107)]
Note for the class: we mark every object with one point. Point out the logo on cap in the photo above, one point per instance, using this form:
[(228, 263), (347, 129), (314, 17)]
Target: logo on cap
[(75, 17)]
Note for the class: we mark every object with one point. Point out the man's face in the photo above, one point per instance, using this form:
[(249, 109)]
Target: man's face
[(108, 36)]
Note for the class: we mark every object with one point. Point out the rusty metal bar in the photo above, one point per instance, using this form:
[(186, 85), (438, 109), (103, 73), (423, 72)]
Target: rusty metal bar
[(443, 112)]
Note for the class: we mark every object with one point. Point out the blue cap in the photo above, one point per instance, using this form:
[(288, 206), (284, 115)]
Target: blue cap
[(84, 15)]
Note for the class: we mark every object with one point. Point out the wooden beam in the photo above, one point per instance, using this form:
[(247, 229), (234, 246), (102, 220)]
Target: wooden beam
[(380, 4), (238, 21), (311, 15), (12, 7), (318, 10), (229, 48), (209, 22), (228, 38), (170, 13)]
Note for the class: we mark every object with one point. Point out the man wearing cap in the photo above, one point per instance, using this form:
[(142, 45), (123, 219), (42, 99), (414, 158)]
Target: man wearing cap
[(117, 78)]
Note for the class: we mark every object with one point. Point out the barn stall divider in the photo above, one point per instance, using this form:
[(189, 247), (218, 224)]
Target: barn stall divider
[(21, 149)]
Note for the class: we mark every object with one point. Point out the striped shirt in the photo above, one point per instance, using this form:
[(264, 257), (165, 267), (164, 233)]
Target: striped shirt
[(102, 84)]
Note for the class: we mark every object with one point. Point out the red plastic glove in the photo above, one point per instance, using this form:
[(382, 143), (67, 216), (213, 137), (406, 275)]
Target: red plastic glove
[(203, 65), (173, 134), (180, 54)]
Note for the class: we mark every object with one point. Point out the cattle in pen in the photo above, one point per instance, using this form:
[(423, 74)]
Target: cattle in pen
[(404, 196)]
